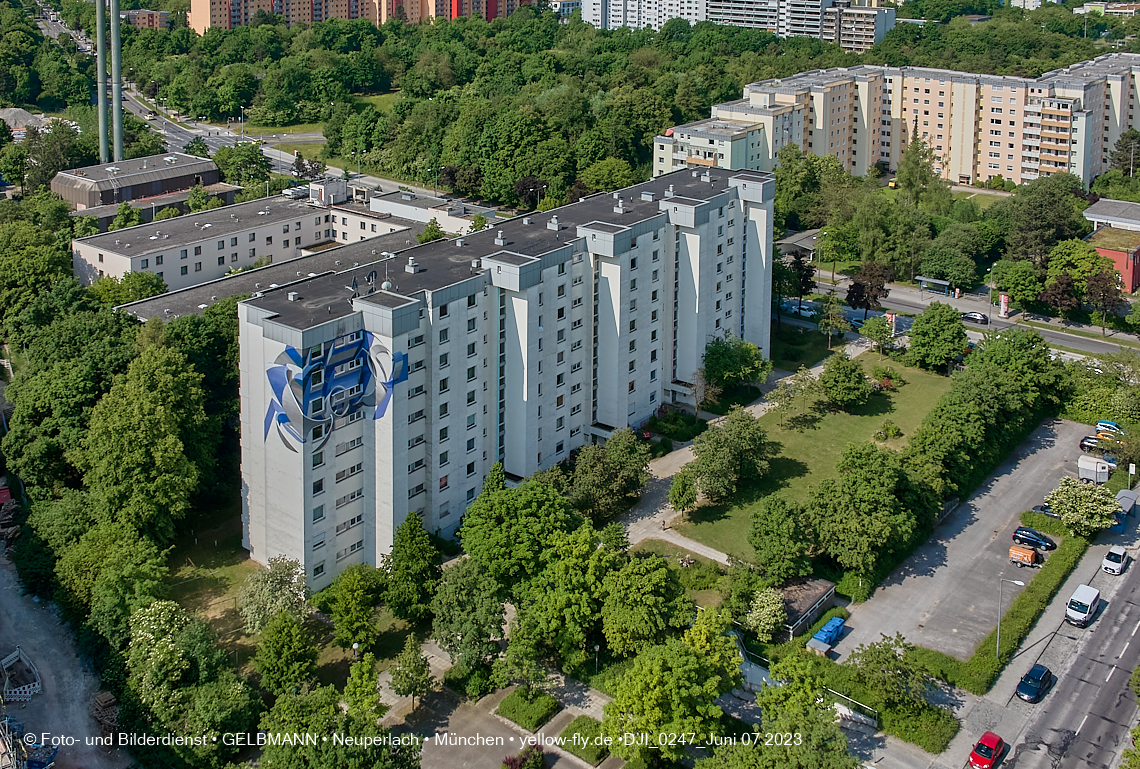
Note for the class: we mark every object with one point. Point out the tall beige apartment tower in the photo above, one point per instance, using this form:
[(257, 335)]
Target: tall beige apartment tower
[(979, 126)]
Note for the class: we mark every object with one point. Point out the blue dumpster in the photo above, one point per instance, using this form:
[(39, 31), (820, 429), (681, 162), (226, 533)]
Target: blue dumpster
[(830, 632)]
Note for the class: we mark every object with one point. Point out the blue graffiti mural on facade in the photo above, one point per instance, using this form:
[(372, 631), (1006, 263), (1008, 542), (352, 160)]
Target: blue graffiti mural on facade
[(317, 389)]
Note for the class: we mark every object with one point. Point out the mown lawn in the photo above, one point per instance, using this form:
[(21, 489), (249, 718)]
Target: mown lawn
[(795, 346), (809, 447), (381, 101)]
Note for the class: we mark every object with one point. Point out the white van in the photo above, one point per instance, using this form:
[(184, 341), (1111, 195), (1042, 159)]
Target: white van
[(1082, 606)]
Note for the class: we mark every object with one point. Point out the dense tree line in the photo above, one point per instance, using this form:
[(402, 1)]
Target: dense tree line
[(35, 71)]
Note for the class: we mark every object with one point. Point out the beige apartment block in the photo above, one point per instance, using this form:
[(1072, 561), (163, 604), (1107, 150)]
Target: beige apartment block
[(978, 126)]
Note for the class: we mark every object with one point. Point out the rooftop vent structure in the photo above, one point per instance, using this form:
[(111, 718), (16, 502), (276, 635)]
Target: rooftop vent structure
[(293, 296), (411, 266), (553, 223), (499, 239)]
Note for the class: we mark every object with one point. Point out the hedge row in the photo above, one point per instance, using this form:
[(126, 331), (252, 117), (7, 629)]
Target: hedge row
[(978, 674), (586, 747), (529, 709)]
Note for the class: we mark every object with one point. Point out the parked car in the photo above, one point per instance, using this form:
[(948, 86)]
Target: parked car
[(1035, 683), (794, 308), (1115, 560), (1082, 607), (1110, 461), (1090, 443), (987, 752), (1106, 435), (1104, 424), (1044, 509), (975, 317), (857, 323), (1032, 537)]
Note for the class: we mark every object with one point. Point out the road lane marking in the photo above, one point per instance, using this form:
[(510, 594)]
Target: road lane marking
[(1136, 628), (1118, 656), (1110, 672), (1078, 731)]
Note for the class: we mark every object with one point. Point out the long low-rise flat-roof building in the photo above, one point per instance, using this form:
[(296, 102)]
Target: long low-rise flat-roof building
[(390, 389), (197, 248), (109, 184)]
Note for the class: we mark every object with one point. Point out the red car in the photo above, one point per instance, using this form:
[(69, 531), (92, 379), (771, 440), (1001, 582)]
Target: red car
[(987, 751)]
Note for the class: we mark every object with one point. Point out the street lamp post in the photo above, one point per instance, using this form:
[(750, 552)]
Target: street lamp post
[(990, 296), (243, 123), (997, 651), (355, 652), (597, 648)]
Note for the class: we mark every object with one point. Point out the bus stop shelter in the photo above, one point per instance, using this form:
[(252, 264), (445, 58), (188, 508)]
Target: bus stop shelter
[(933, 285)]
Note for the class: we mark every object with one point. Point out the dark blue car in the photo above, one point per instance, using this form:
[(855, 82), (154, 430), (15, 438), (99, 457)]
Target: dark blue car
[(1035, 683), (1033, 538)]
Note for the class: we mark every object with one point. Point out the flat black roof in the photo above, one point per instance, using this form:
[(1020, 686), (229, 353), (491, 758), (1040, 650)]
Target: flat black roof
[(445, 262), (193, 300)]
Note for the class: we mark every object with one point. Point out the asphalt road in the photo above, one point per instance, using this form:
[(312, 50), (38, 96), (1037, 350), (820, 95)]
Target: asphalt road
[(1085, 344), (944, 596), (1085, 719)]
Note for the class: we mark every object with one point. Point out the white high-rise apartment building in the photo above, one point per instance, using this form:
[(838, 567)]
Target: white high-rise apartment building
[(786, 18), (980, 126), (390, 389)]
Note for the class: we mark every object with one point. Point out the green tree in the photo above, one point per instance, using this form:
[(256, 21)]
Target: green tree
[(1017, 279), (937, 336), (478, 223), (1077, 259), (318, 711), (803, 276), (362, 689), (844, 381), (1084, 508), (797, 703), (782, 399), (268, 592), (730, 360), (918, 182), (783, 286), (134, 286), (510, 531), (468, 615), (352, 611), (1103, 292), (125, 216), (199, 199), (169, 212), (869, 287), (806, 387), (832, 320), (878, 331), (888, 669), (869, 510), (780, 540), (949, 264), (1123, 155), (197, 146), (564, 602), (243, 164), (1042, 214), (413, 571), (767, 616), (14, 164), (411, 674), (432, 231), (643, 602), (606, 476), (286, 655), (710, 635), (149, 443), (608, 174), (730, 454), (670, 689), (683, 492)]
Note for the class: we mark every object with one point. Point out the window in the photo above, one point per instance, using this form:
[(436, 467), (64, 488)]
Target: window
[(560, 380), (443, 409), (233, 257), (197, 266), (443, 336), (181, 254), (252, 252), (443, 311), (341, 448), (348, 472), (319, 487), (471, 300), (633, 323), (633, 285), (633, 365), (415, 391), (221, 261), (183, 270), (144, 264), (318, 459), (317, 406), (443, 360), (470, 373), (631, 386), (349, 497), (653, 375), (561, 313), (319, 569), (319, 541), (470, 445), (443, 458), (353, 522), (470, 325), (416, 341), (198, 249), (157, 260), (470, 494), (415, 416), (318, 513), (442, 482), (269, 240), (470, 421), (633, 263)]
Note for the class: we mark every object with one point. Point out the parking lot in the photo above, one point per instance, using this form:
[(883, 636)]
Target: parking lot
[(945, 596)]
